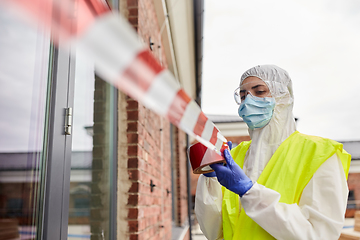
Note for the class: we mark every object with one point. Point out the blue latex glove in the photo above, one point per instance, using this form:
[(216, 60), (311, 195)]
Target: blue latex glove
[(210, 174), (213, 174), (232, 176), (229, 143)]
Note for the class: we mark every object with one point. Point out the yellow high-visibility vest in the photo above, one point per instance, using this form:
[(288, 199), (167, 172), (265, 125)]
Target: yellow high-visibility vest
[(288, 172)]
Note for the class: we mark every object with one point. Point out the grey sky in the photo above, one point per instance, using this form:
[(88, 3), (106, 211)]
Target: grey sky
[(316, 42), (23, 73), (83, 104)]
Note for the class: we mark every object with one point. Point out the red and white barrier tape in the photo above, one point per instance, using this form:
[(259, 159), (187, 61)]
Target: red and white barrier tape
[(123, 61)]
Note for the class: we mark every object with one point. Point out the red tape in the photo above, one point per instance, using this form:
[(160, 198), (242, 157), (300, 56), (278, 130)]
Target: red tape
[(200, 124), (213, 138), (178, 106), (139, 75)]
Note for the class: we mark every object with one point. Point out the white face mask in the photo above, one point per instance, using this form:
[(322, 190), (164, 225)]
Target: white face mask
[(256, 112)]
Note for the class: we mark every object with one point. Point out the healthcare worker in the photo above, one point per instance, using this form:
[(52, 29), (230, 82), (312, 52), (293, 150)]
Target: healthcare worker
[(280, 185)]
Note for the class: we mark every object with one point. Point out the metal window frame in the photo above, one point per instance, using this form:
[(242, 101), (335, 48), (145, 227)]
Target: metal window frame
[(55, 195), (58, 164), (113, 158), (114, 93)]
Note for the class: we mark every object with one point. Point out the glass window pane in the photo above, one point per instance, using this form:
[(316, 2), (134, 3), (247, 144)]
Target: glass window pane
[(90, 188), (24, 57)]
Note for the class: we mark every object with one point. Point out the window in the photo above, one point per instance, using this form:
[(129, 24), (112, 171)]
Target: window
[(24, 61), (91, 200), (53, 185), (351, 200)]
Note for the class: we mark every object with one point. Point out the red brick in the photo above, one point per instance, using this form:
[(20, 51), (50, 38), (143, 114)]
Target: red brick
[(134, 187), (133, 213), (132, 138), (133, 115), (133, 21), (133, 150), (132, 105), (132, 3), (133, 11), (134, 236), (132, 126), (133, 162), (133, 199), (133, 174), (133, 226)]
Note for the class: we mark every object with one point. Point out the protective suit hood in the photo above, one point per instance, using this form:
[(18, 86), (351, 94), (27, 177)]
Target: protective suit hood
[(266, 140)]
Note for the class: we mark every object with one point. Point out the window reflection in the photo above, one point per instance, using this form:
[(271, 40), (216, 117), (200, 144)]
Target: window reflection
[(89, 200), (24, 56)]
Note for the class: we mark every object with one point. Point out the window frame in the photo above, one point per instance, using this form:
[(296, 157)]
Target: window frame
[(55, 195)]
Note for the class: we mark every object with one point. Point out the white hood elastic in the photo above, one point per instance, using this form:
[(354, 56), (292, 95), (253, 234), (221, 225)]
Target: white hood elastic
[(266, 140)]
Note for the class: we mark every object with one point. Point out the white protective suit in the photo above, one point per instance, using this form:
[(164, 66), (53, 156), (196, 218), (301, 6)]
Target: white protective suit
[(320, 213)]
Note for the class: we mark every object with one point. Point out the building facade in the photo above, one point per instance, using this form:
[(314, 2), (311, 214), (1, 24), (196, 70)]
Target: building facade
[(353, 147), (80, 159)]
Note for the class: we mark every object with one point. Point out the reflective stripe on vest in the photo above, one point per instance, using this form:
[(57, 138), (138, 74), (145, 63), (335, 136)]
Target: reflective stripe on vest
[(288, 172)]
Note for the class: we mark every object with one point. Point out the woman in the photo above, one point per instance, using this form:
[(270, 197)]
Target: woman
[(280, 185)]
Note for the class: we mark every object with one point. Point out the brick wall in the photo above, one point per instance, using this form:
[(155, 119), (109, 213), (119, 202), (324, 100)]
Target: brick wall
[(141, 14), (180, 177), (147, 211), (149, 215)]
